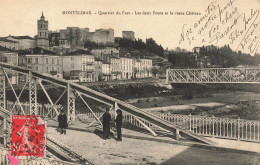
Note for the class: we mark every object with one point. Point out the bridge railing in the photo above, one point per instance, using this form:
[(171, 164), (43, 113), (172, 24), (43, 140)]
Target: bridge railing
[(226, 128), (42, 109)]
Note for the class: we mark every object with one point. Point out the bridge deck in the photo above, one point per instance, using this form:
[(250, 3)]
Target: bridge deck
[(140, 149)]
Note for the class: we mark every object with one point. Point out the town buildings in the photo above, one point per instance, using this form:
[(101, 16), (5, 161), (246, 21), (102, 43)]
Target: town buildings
[(63, 54)]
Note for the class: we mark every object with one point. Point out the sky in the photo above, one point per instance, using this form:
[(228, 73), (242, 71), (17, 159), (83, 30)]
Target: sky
[(19, 17)]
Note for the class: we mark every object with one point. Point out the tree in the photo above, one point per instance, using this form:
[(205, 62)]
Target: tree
[(154, 71)]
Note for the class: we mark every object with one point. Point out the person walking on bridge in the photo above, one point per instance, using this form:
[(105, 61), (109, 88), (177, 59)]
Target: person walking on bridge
[(63, 124), (106, 119), (119, 119)]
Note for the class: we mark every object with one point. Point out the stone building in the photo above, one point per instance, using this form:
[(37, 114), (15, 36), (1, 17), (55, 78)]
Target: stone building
[(103, 36), (116, 71), (127, 67), (43, 61), (24, 42), (79, 66), (106, 71), (9, 44), (146, 65), (98, 69), (128, 35), (104, 52)]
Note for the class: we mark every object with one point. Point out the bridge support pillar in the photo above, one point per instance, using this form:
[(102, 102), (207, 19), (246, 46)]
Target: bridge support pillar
[(32, 95), (2, 89), (70, 105), (177, 134), (116, 108)]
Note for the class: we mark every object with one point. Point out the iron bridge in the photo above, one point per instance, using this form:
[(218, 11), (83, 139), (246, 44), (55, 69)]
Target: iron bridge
[(214, 75)]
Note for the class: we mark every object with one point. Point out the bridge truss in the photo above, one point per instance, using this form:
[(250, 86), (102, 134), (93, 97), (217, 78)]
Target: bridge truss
[(213, 75), (74, 90)]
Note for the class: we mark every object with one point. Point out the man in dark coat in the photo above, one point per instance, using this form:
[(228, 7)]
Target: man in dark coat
[(63, 124), (119, 119), (106, 124)]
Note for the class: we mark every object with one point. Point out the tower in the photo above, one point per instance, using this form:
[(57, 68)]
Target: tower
[(43, 33)]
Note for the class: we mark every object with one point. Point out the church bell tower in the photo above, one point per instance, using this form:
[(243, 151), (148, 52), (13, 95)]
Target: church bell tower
[(43, 33)]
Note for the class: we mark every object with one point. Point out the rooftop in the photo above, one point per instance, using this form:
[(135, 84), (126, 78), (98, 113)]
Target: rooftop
[(7, 40), (22, 37), (36, 51), (80, 52)]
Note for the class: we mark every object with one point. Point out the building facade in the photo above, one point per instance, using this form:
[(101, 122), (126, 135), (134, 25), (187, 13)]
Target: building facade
[(45, 63), (98, 70), (106, 71), (12, 59), (103, 51), (79, 66), (9, 44), (103, 36), (146, 65), (127, 67), (116, 71), (24, 42)]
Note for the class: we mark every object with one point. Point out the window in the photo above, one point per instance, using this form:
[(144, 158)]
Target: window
[(72, 65), (36, 68), (52, 60), (58, 69), (58, 61), (72, 58), (47, 69), (29, 61), (52, 68), (36, 60), (47, 60)]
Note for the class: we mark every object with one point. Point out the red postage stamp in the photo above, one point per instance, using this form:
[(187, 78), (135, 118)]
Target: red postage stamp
[(28, 136)]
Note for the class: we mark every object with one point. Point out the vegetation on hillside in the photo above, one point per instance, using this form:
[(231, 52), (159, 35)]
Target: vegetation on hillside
[(149, 46), (218, 56)]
